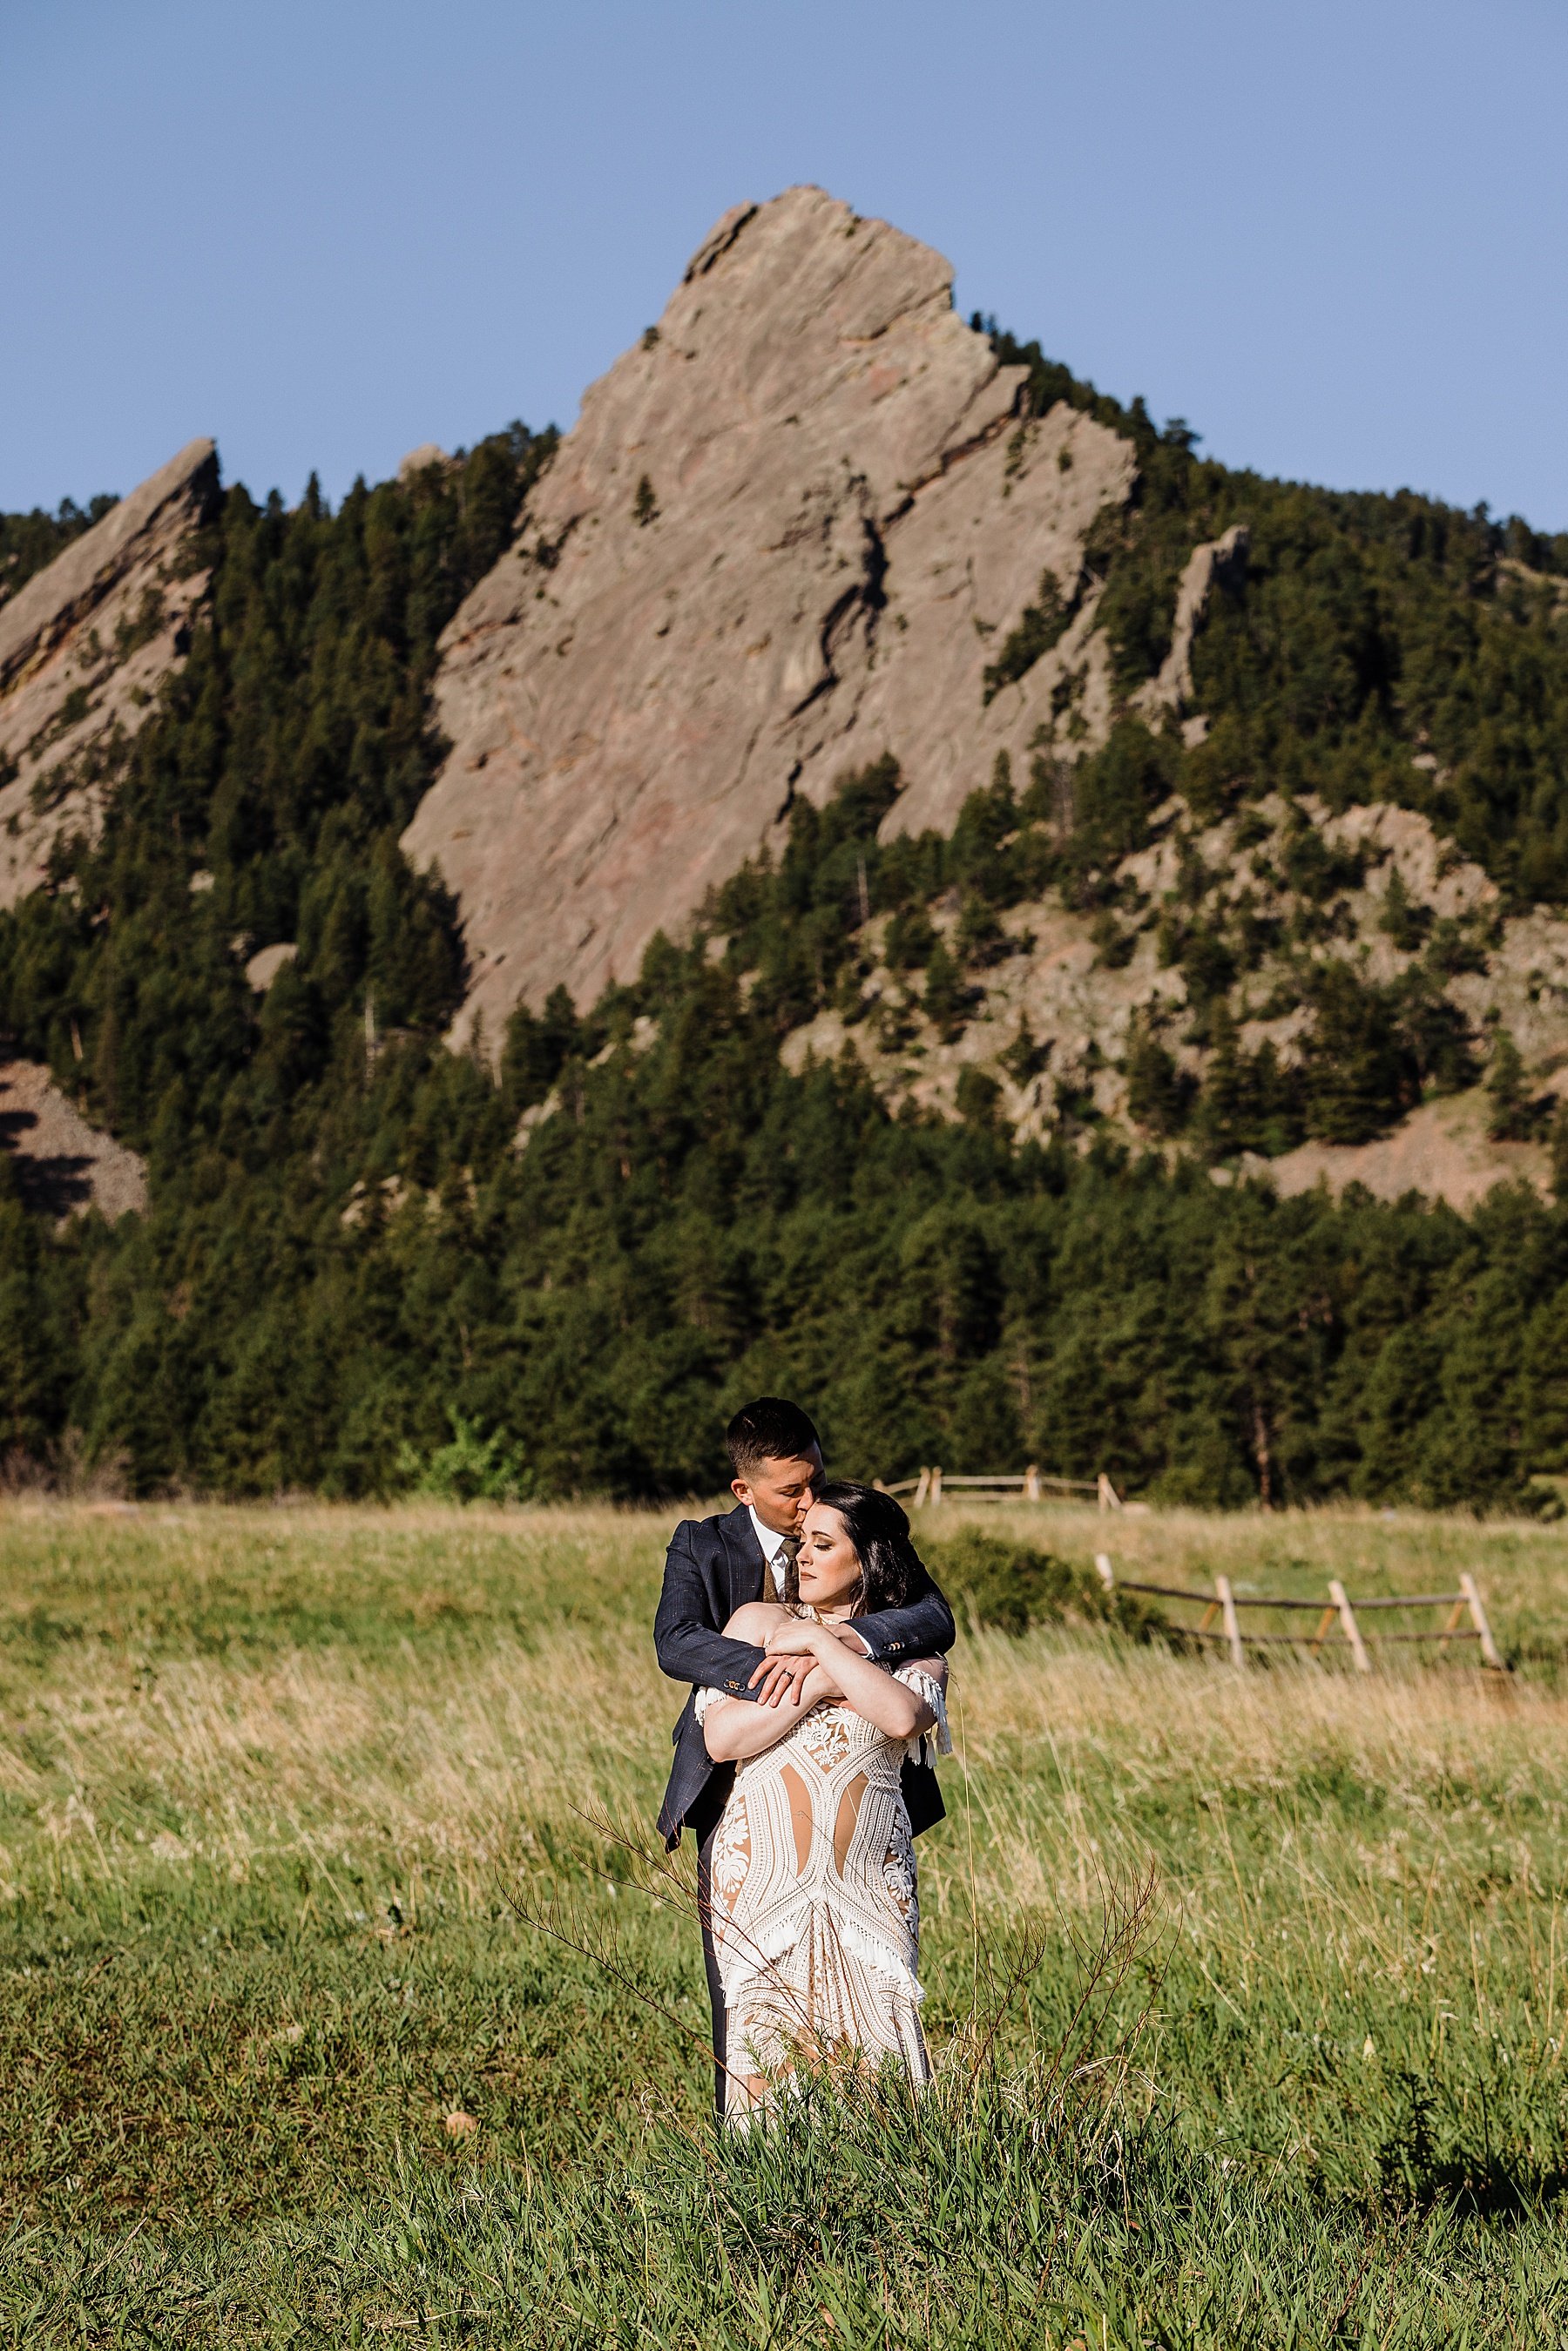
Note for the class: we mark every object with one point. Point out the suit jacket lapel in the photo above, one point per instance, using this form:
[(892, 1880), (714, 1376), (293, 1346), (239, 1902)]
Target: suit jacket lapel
[(746, 1567)]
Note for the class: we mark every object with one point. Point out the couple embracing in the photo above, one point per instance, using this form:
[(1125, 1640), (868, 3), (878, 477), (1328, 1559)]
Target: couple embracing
[(815, 1643)]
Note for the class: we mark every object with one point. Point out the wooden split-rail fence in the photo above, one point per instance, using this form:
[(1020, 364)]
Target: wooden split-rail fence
[(926, 1491), (1339, 1616)]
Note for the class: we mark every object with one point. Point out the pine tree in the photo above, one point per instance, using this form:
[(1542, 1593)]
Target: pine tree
[(1515, 1114), (1158, 1092), (1405, 921), (946, 998)]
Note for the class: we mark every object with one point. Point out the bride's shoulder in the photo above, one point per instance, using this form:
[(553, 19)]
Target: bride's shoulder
[(756, 1620)]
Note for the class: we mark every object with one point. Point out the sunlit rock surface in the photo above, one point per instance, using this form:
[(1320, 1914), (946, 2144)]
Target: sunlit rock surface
[(793, 528)]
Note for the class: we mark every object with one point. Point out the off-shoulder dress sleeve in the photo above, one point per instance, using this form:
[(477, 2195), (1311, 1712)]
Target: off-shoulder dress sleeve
[(709, 1698)]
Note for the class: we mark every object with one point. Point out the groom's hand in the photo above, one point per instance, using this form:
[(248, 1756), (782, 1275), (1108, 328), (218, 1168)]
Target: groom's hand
[(777, 1679), (786, 1639)]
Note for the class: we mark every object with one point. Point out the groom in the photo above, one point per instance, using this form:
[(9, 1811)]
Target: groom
[(715, 1566)]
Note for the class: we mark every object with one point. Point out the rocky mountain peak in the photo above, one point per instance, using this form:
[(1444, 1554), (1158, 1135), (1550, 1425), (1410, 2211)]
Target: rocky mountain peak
[(84, 645), (789, 532)]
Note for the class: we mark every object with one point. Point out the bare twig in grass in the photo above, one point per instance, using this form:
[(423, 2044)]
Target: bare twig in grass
[(658, 1872), (663, 1882), (1127, 1913), (608, 1960)]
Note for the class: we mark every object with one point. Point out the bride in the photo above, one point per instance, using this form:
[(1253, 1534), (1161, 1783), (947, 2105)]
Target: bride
[(815, 1920)]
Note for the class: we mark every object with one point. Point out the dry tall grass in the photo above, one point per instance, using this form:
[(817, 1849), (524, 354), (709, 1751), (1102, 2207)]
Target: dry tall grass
[(268, 1779), (506, 1685)]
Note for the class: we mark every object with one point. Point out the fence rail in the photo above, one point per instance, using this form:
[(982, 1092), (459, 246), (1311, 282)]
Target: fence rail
[(926, 1491), (1339, 1611)]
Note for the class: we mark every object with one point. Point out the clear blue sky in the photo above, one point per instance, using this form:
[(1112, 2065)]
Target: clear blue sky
[(1332, 237)]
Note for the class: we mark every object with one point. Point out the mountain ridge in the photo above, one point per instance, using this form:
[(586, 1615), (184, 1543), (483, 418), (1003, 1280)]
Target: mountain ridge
[(986, 1135)]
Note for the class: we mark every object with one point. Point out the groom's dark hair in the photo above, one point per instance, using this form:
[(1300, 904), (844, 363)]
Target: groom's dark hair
[(770, 1429)]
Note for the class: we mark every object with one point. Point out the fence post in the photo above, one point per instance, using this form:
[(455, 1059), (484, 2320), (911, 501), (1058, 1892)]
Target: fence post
[(936, 1494), (923, 1486), (1031, 1482), (1104, 1571), (1352, 1629), (1109, 1498), (1478, 1618), (1230, 1619)]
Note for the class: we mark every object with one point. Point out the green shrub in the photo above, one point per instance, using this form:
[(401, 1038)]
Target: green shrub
[(1007, 1585), (910, 939), (948, 998), (472, 1469)]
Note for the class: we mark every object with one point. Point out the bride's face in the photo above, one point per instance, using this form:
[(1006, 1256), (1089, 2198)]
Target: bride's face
[(828, 1567)]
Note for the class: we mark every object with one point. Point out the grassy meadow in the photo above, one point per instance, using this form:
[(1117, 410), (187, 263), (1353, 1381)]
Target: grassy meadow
[(287, 2055)]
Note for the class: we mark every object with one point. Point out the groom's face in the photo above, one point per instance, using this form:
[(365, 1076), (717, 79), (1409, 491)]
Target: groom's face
[(780, 1491)]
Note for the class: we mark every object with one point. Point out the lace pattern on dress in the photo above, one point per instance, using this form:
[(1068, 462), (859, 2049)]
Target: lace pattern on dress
[(816, 1911)]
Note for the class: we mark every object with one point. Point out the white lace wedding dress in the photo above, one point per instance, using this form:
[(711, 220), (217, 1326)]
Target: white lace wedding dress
[(816, 1916)]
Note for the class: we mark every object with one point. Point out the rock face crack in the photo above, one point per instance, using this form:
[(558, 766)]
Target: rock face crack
[(842, 493), (719, 242), (862, 602)]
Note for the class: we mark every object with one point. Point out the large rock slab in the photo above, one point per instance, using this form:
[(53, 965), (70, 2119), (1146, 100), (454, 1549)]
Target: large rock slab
[(1441, 1150), (790, 531), (62, 1166), (84, 647)]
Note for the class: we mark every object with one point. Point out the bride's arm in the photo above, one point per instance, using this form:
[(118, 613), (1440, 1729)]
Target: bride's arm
[(891, 1705), (735, 1728)]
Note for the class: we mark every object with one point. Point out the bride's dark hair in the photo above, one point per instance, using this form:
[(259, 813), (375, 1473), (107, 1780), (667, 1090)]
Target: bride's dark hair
[(892, 1570)]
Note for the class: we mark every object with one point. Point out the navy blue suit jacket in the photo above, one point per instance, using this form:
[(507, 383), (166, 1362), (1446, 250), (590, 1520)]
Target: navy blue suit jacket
[(715, 1566)]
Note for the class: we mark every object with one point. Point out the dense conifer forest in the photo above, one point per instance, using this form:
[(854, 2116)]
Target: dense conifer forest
[(350, 1277)]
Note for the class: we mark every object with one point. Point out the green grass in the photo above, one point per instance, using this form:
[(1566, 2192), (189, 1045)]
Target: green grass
[(273, 1783)]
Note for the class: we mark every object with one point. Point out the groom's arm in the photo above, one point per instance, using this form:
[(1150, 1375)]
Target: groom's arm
[(691, 1648), (924, 1629)]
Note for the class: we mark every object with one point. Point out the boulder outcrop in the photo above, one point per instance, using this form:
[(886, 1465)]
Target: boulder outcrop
[(62, 1166), (1077, 991), (1216, 559), (84, 646), (795, 526)]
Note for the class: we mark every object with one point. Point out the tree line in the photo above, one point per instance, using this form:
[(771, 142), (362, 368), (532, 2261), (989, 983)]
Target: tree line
[(348, 1255)]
